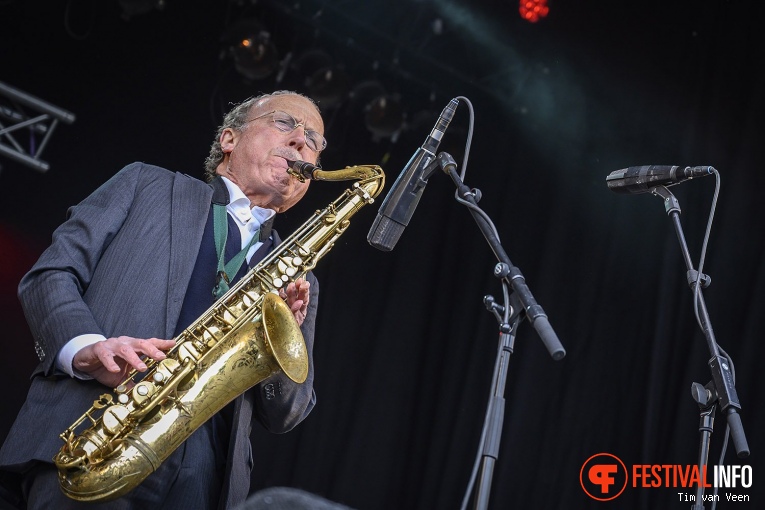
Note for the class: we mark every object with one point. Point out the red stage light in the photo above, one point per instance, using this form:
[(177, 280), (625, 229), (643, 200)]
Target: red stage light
[(533, 10)]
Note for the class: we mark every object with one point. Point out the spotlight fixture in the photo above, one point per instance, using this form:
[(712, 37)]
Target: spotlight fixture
[(328, 86), (382, 112), (311, 61), (364, 93), (255, 55), (327, 83), (384, 116)]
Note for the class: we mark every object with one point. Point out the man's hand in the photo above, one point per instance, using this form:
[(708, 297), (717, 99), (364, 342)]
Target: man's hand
[(110, 361), (296, 296)]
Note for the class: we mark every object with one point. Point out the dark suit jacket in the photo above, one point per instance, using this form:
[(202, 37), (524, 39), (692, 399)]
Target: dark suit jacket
[(120, 265)]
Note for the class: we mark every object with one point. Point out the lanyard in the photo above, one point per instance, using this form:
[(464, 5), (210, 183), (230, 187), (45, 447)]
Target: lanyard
[(220, 231)]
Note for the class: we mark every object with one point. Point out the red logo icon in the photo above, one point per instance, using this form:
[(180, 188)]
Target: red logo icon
[(603, 476)]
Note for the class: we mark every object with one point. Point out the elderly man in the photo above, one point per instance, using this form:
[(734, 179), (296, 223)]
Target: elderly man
[(133, 265)]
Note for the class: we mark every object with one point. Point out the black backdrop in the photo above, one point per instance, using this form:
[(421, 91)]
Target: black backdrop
[(404, 346)]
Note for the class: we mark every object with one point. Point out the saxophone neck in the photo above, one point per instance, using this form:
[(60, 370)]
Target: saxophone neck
[(371, 177)]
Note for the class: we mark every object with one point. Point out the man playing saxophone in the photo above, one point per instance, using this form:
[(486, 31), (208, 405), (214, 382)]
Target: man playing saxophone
[(133, 265)]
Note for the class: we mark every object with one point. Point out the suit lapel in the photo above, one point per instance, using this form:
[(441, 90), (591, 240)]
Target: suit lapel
[(190, 207)]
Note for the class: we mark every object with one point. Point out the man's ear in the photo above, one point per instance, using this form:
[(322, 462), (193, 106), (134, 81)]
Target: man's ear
[(228, 140)]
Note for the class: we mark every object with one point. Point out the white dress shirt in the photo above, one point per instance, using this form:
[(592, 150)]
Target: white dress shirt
[(246, 218)]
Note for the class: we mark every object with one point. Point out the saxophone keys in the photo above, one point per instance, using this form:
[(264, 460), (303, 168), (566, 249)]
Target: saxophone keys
[(297, 261), (187, 351), (278, 283), (165, 369), (143, 391), (286, 266), (114, 418), (122, 396), (248, 299)]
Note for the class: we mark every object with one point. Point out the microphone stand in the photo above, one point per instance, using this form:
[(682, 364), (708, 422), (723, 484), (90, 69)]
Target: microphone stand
[(495, 413), (721, 389), (510, 275)]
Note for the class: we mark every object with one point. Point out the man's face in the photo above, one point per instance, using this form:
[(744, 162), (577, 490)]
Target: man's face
[(256, 157)]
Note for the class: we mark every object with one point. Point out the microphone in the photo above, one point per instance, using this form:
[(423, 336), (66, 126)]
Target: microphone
[(641, 179), (398, 207)]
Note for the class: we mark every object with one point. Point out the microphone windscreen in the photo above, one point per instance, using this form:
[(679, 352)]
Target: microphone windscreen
[(384, 233)]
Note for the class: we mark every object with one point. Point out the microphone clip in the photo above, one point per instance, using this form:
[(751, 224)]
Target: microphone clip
[(671, 204), (427, 173)]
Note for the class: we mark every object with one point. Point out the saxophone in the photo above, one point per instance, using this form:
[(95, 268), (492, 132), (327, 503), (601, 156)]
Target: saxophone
[(248, 335)]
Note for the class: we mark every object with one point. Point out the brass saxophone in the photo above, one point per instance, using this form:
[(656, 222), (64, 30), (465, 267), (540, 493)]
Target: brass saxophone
[(248, 335)]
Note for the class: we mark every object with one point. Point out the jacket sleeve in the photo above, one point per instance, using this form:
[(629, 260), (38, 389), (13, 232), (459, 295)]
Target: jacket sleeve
[(280, 403), (51, 293)]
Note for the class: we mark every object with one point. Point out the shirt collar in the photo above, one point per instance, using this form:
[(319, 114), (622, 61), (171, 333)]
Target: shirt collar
[(239, 206)]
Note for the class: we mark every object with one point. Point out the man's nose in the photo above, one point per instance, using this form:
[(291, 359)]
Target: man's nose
[(297, 137)]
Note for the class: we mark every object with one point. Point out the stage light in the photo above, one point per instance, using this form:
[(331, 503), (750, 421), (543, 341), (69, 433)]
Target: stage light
[(384, 116), (328, 86), (533, 10), (255, 57), (310, 61), (364, 92), (382, 112), (249, 43), (327, 83)]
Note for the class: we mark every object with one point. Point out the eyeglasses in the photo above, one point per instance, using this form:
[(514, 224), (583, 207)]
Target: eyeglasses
[(286, 123)]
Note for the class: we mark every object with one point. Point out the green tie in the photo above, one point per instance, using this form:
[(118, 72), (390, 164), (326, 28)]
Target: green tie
[(220, 231)]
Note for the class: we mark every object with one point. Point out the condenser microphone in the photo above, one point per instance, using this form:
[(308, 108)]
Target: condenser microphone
[(398, 207), (640, 179)]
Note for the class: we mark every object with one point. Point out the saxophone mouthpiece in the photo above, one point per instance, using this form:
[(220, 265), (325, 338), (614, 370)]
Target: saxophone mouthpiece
[(302, 170)]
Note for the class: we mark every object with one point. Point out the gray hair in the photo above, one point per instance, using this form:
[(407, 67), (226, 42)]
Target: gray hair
[(235, 119)]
